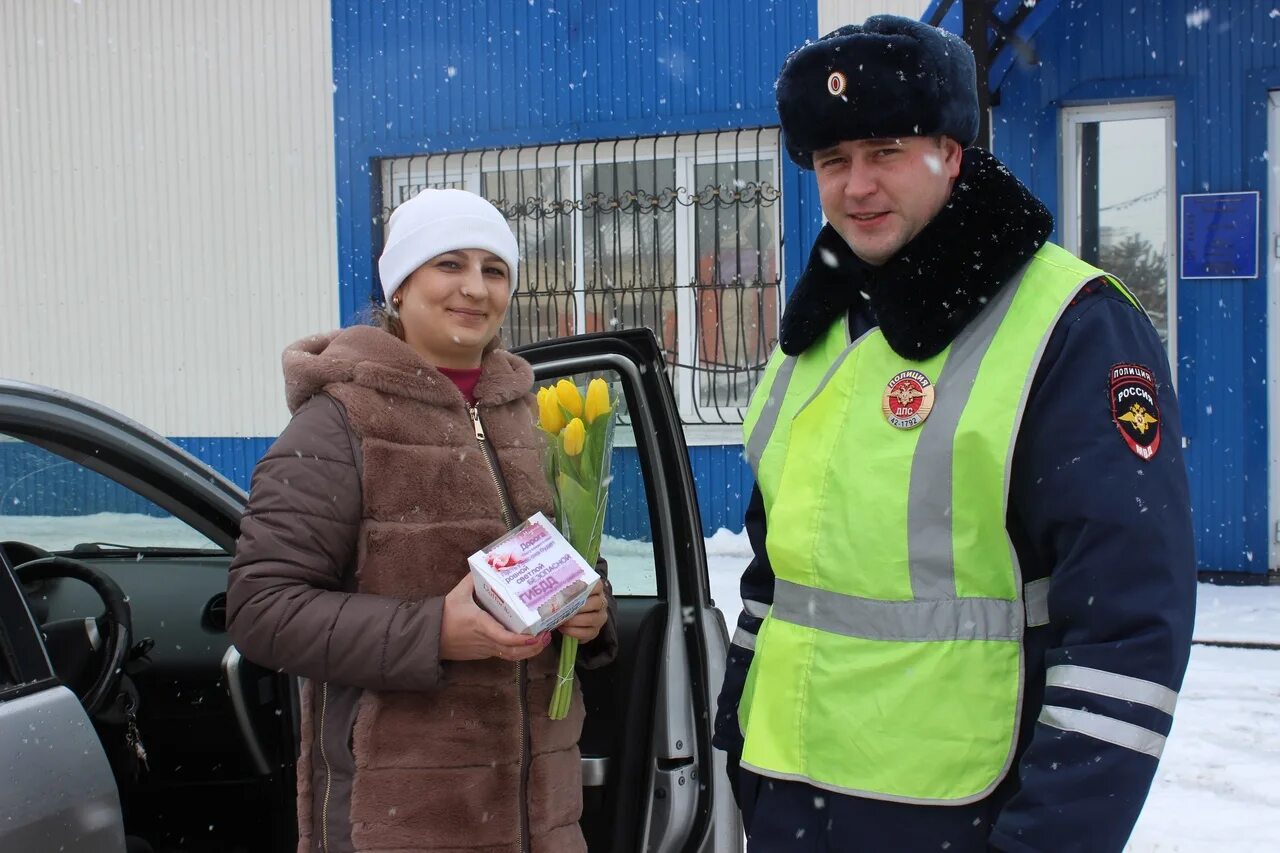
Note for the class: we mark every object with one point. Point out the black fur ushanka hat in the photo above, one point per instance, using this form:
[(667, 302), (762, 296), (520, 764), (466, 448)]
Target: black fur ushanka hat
[(886, 78)]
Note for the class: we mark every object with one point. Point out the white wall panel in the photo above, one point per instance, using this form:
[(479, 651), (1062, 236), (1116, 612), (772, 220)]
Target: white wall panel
[(166, 202), (837, 13)]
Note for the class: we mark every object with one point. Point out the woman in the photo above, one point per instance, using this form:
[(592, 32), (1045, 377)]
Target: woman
[(412, 445)]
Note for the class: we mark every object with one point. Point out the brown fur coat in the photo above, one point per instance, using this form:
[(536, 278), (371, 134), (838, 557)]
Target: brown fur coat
[(360, 520)]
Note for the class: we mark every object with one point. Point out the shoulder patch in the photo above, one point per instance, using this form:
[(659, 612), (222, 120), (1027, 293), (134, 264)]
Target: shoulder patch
[(1089, 289), (1134, 408)]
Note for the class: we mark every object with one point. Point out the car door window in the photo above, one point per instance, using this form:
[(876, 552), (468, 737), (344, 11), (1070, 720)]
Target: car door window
[(55, 503), (627, 544), (628, 540)]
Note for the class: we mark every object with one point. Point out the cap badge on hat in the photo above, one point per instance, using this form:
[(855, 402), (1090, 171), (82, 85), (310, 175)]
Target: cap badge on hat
[(837, 83), (908, 399)]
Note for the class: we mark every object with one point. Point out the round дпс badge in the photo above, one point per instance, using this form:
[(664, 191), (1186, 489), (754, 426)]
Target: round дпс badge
[(908, 399)]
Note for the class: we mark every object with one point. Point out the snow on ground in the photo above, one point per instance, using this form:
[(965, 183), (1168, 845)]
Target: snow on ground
[(1218, 786), (1238, 614), (63, 532)]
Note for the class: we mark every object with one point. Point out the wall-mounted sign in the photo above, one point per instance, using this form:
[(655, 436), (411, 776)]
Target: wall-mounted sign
[(1220, 235)]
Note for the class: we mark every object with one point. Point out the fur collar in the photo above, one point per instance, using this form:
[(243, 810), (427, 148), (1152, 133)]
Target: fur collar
[(376, 359), (938, 282)]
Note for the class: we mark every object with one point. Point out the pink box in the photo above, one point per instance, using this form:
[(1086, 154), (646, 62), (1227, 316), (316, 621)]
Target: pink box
[(531, 579)]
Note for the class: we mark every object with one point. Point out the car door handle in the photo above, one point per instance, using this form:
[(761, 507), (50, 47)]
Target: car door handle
[(231, 673), (595, 771)]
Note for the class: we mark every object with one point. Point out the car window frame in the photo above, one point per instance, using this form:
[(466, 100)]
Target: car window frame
[(126, 453), (21, 648)]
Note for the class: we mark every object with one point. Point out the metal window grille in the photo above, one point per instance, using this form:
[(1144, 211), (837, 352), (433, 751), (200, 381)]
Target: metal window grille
[(681, 234)]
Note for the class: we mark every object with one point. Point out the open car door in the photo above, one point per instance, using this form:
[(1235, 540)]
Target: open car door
[(651, 781), (58, 792), (218, 731)]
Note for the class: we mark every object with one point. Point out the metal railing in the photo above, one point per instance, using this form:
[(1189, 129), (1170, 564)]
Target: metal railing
[(681, 234)]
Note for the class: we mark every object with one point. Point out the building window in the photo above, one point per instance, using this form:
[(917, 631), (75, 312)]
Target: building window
[(680, 234), (1118, 197)]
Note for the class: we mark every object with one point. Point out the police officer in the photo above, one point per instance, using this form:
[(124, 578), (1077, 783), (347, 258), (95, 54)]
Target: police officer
[(970, 606)]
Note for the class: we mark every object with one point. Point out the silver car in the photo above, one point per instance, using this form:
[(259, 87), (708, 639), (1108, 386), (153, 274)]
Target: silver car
[(131, 722)]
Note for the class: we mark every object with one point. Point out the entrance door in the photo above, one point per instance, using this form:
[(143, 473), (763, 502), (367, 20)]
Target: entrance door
[(1117, 198)]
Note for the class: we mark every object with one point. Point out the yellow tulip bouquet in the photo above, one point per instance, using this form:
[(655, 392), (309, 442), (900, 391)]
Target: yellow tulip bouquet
[(580, 444)]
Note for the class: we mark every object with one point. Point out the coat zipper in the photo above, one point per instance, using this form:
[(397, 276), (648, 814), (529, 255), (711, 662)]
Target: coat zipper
[(525, 748), (328, 773), (508, 515)]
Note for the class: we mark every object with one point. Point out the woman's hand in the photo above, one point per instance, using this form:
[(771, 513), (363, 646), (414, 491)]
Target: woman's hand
[(468, 633), (586, 623)]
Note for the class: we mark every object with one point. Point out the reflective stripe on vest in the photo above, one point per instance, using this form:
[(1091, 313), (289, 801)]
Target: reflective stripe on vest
[(890, 663)]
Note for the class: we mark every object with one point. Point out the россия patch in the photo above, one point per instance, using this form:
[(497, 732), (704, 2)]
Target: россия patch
[(1135, 409)]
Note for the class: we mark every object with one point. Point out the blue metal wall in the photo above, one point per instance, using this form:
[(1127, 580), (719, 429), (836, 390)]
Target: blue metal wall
[(1218, 73), (439, 76), (443, 76), (234, 458), (724, 486)]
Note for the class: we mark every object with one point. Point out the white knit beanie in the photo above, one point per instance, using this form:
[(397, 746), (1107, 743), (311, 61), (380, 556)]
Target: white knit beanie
[(437, 221)]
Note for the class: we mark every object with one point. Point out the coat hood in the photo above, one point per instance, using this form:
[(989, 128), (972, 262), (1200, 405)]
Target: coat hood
[(375, 359)]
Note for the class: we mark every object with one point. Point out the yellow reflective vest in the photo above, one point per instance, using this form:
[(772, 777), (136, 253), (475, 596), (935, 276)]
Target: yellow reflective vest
[(890, 663)]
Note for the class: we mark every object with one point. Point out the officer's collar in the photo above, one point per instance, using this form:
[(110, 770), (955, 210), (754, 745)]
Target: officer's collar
[(939, 281)]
